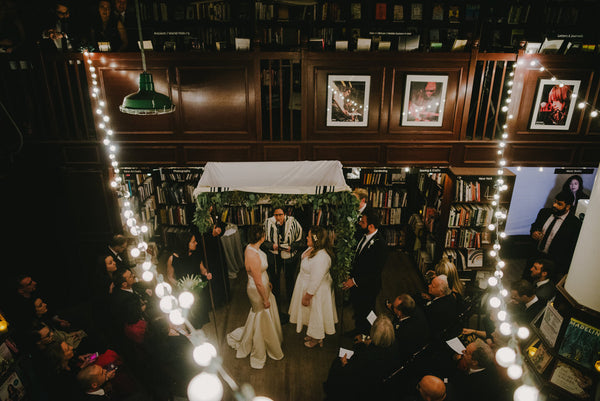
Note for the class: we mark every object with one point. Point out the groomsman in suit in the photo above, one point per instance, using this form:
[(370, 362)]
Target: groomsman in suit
[(363, 207), (364, 282), (525, 304), (541, 273), (556, 231)]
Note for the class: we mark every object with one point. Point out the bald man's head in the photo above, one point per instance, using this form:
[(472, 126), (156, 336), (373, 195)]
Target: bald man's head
[(432, 388)]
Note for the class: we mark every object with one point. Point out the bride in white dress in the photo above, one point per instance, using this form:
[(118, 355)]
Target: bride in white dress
[(313, 300), (261, 335)]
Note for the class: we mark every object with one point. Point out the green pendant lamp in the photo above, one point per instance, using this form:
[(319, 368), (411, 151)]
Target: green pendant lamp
[(145, 101)]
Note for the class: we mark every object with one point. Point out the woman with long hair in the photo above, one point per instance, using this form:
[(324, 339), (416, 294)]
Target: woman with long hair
[(187, 261), (261, 335), (574, 185), (313, 300)]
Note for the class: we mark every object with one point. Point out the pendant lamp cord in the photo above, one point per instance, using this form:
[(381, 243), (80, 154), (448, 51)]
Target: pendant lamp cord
[(139, 26)]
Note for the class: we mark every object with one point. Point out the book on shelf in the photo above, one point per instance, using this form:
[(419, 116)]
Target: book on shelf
[(532, 47), (541, 358), (384, 45), (398, 13), (341, 45), (363, 44), (572, 380), (12, 389), (416, 11), (242, 44), (474, 258), (454, 14), (551, 46), (380, 11), (356, 11), (408, 43), (459, 45), (472, 12), (581, 343), (437, 12)]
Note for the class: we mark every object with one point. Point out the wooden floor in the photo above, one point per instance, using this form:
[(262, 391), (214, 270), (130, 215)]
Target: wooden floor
[(299, 376), (301, 372)]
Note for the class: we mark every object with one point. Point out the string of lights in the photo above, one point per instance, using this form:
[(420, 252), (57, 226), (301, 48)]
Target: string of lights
[(174, 302)]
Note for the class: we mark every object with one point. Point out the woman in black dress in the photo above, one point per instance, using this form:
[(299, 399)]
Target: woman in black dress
[(187, 261)]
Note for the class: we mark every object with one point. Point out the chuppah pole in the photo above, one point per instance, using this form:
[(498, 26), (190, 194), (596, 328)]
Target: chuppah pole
[(210, 292)]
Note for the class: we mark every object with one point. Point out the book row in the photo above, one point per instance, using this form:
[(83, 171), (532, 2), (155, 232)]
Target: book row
[(466, 238), (177, 193), (470, 215), (387, 198), (383, 178)]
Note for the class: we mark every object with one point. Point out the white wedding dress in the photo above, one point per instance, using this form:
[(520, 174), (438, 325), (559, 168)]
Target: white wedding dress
[(261, 335), (320, 316)]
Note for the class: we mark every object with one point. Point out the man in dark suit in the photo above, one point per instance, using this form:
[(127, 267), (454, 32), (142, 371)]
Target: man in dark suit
[(541, 273), (410, 326), (128, 308), (525, 304), (364, 282), (363, 207), (481, 380), (117, 249), (555, 232), (442, 311)]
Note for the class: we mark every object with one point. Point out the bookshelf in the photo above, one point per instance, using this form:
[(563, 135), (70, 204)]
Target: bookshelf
[(426, 222), (390, 197), (142, 190), (175, 204), (466, 213), (421, 25)]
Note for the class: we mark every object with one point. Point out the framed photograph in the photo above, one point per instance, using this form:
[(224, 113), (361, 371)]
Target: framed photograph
[(424, 99), (348, 100), (553, 108)]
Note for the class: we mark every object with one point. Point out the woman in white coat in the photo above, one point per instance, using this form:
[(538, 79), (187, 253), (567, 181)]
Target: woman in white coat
[(313, 300)]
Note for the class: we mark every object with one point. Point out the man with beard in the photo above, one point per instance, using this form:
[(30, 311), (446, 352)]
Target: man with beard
[(541, 274), (555, 232)]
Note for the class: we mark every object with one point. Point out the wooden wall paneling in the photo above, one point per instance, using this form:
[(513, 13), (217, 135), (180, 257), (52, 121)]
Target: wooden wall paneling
[(542, 154), (353, 155), (199, 155), (593, 123), (282, 152), (134, 154), (457, 72), (527, 86), (81, 154), (588, 154), (418, 154), (215, 101), (477, 154)]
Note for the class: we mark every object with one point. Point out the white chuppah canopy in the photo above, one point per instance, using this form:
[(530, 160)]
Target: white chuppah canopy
[(298, 177)]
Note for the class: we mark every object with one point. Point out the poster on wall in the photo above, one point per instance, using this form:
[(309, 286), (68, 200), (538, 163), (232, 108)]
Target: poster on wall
[(424, 99), (572, 380), (553, 108), (348, 100)]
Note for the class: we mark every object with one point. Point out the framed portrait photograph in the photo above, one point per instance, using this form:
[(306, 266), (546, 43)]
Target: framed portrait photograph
[(424, 99), (348, 100), (554, 105)]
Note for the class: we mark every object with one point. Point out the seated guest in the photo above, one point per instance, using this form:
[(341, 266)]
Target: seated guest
[(169, 356), (361, 377), (442, 311), (43, 335), (481, 380), (128, 307), (429, 388), (525, 304), (108, 383), (92, 380), (410, 326), (62, 367), (541, 273)]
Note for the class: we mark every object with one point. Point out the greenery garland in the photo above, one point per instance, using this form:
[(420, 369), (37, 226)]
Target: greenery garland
[(342, 205)]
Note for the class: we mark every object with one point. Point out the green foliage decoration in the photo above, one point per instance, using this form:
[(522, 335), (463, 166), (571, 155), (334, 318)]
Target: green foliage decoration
[(342, 205)]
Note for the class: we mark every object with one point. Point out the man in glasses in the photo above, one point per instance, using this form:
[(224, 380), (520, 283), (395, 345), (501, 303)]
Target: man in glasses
[(283, 239)]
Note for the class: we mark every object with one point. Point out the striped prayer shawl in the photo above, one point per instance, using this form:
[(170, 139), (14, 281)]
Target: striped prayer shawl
[(292, 232)]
